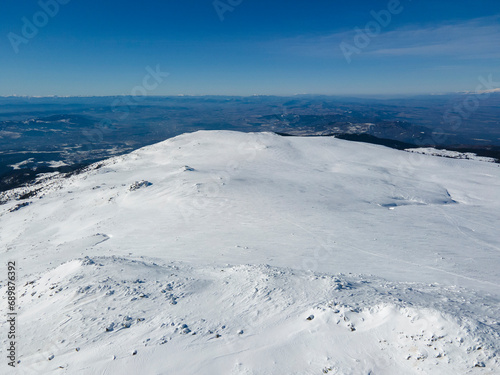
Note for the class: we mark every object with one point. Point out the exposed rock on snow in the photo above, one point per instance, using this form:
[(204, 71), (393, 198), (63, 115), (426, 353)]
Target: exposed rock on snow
[(402, 326), (139, 184)]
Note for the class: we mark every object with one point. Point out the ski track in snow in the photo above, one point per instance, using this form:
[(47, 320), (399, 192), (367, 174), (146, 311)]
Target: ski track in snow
[(230, 253)]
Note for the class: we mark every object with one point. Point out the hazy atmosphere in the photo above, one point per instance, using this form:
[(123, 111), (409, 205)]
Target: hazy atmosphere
[(239, 47)]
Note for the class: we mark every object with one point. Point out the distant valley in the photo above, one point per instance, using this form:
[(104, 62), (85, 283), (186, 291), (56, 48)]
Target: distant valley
[(48, 135)]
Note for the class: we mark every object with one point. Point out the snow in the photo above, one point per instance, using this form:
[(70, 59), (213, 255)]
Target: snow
[(21, 163), (450, 154), (230, 253), (56, 164)]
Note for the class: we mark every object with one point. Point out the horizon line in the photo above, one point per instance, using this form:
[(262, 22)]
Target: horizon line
[(240, 96)]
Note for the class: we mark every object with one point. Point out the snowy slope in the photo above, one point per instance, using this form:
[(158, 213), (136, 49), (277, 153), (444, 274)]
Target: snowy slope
[(207, 254), (450, 154)]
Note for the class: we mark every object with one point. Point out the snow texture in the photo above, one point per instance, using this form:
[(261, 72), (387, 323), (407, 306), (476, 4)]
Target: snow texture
[(230, 253)]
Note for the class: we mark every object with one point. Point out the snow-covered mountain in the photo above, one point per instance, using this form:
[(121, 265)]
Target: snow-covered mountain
[(451, 154), (233, 253)]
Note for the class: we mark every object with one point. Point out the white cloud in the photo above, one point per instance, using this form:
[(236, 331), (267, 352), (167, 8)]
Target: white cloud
[(476, 38)]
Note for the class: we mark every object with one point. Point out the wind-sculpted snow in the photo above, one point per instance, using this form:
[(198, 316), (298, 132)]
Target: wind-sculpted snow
[(232, 253), (236, 318)]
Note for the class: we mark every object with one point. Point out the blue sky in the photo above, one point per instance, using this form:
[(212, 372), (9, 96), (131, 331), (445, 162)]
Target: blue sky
[(89, 47)]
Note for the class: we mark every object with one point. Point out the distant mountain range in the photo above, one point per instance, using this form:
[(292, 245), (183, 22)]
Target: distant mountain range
[(52, 134)]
